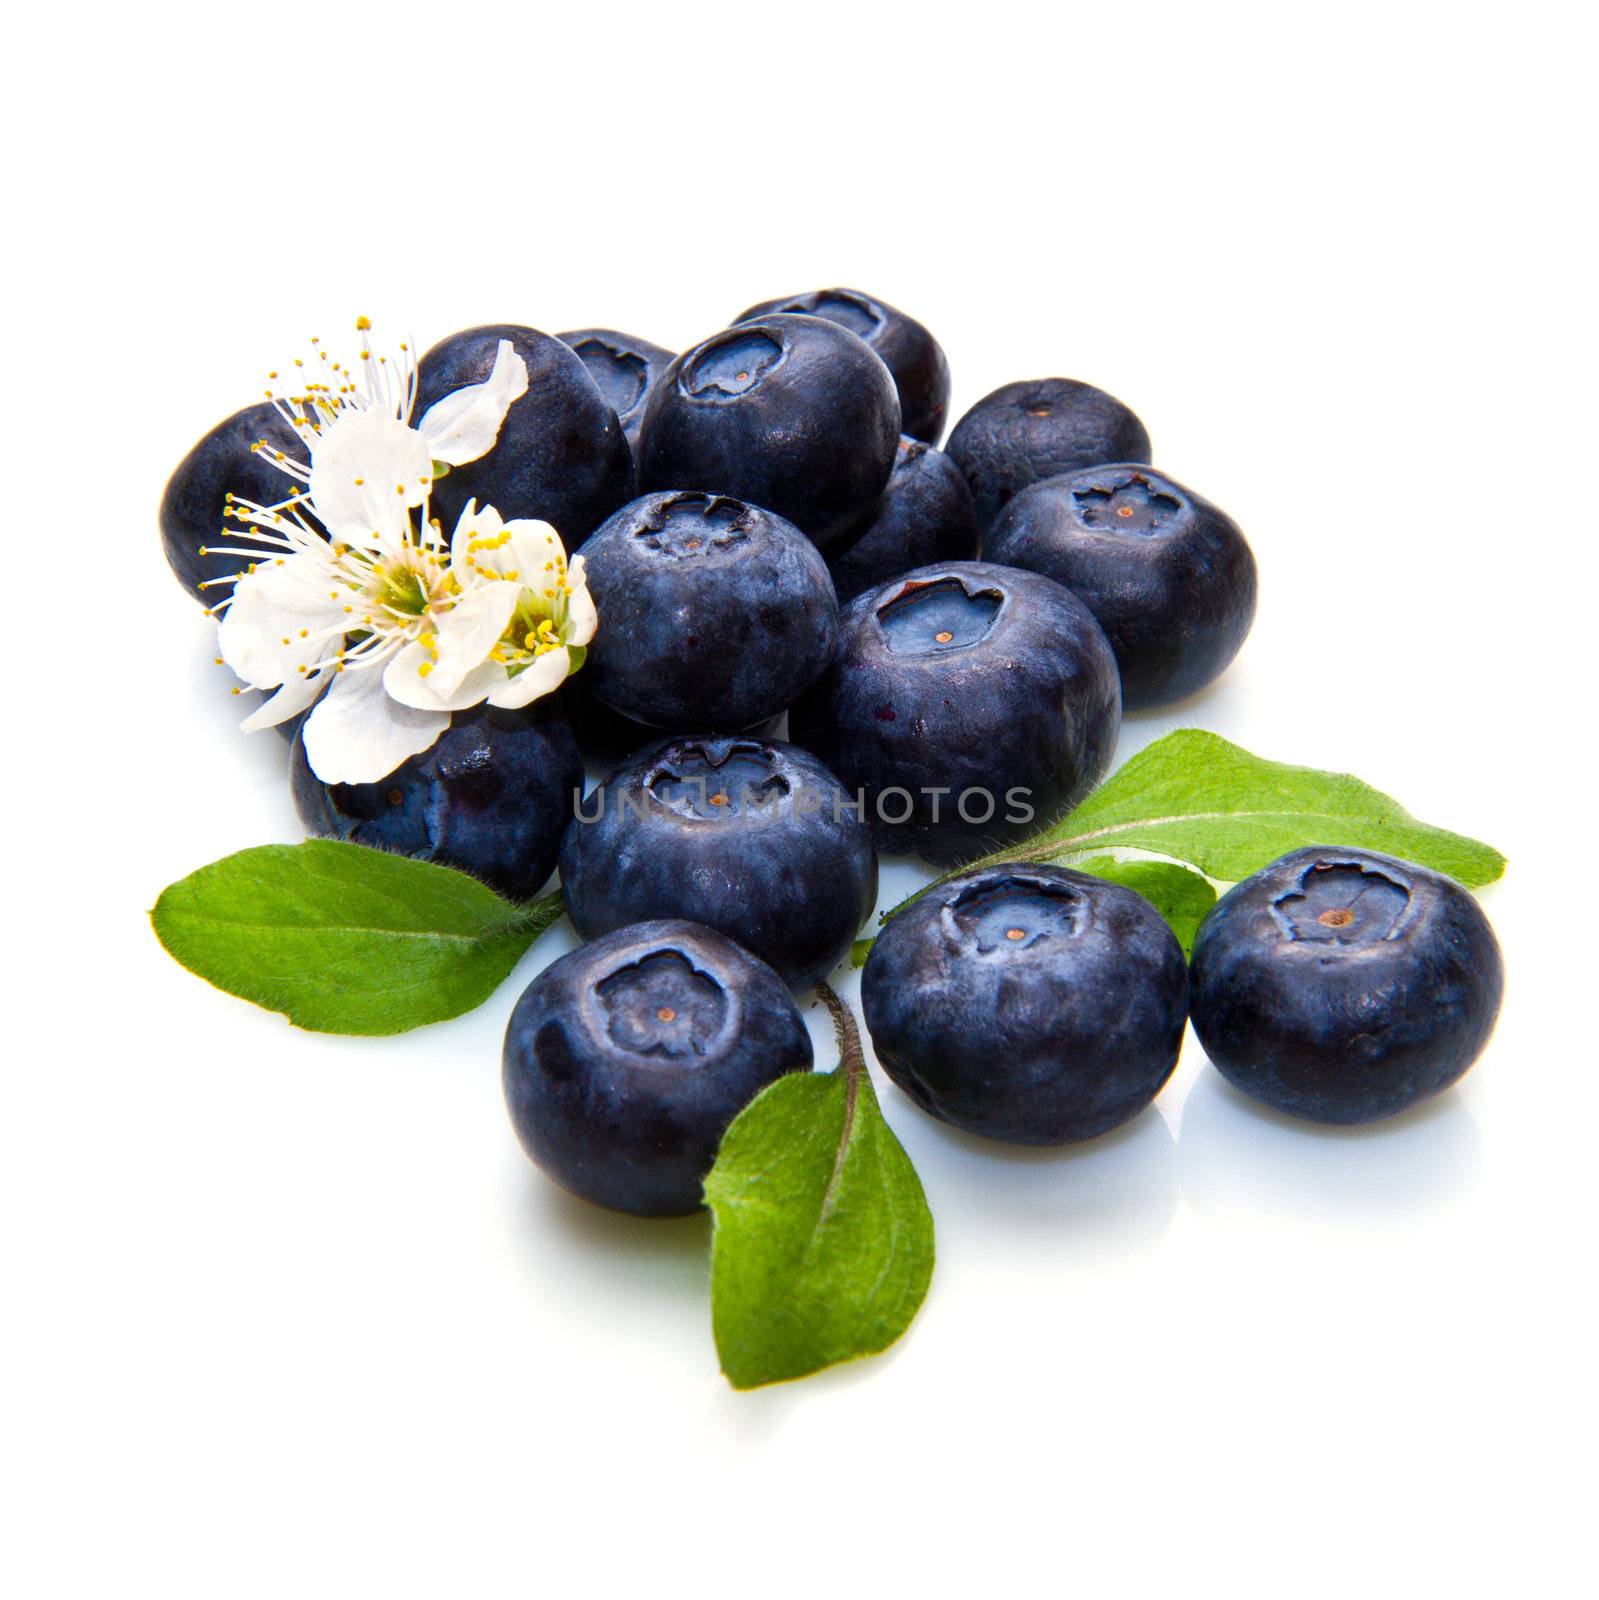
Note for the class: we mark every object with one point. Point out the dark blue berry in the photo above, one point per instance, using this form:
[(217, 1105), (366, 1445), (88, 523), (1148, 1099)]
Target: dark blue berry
[(561, 455), (1040, 429), (714, 614), (1169, 577), (194, 508), (1343, 985), (794, 414), (624, 369), (925, 515), (749, 836), (606, 737), (492, 797), (911, 354), (1029, 1004), (971, 703), (626, 1060)]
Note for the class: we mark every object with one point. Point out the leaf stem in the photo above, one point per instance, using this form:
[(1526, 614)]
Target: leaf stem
[(850, 1054), (852, 1064)]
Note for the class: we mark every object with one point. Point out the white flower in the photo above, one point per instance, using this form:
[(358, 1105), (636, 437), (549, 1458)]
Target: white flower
[(398, 630), (516, 627)]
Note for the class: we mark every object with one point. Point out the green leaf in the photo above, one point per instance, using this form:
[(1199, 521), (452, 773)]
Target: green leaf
[(823, 1244), (1181, 895), (344, 939), (1197, 798)]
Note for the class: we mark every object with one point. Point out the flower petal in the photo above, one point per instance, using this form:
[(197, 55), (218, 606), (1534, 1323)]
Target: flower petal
[(367, 471), (464, 425), (289, 701), (545, 674), (266, 634), (469, 630), (405, 682), (358, 734), (582, 618), (538, 558), (470, 555)]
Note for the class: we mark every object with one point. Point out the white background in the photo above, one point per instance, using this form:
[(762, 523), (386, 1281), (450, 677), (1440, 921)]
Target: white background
[(290, 1315)]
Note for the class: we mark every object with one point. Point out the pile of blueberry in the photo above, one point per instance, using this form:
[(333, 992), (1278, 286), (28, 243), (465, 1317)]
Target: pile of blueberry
[(770, 530)]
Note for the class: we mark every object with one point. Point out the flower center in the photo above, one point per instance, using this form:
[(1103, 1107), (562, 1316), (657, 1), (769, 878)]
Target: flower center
[(401, 589)]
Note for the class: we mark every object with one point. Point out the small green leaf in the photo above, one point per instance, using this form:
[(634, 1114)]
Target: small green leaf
[(343, 939), (1197, 798), (1181, 895), (823, 1244)]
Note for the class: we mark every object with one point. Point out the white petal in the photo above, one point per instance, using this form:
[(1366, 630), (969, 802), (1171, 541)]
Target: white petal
[(367, 471), (265, 634), (289, 701), (411, 687), (540, 555), (357, 734), (546, 673), (464, 425), (470, 629), (474, 527), (583, 619)]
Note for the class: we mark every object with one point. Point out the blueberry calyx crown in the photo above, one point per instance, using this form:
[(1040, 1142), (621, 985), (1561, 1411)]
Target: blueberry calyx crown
[(1015, 913), (711, 780), (731, 363), (663, 1006), (928, 618), (1344, 904), (1130, 505), (620, 375), (852, 311), (686, 525)]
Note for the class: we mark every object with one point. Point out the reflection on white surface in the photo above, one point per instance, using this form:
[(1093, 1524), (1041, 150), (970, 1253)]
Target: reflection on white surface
[(670, 1256), (1234, 1153), (1117, 1192)]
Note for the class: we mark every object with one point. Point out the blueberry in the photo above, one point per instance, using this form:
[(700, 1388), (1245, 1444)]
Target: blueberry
[(194, 506), (791, 413), (749, 836), (1040, 429), (911, 354), (624, 370), (971, 703), (1029, 1004), (561, 455), (925, 515), (606, 737), (715, 614), (626, 1060), (491, 797), (1169, 577), (1343, 985)]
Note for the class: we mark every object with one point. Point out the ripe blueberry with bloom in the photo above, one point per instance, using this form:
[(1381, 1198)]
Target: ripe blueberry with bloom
[(361, 609)]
